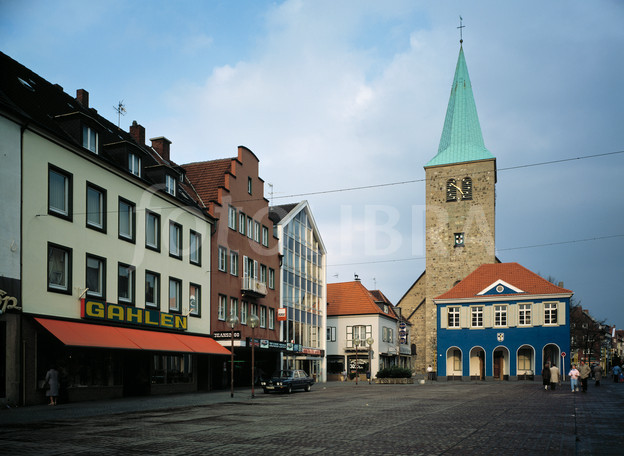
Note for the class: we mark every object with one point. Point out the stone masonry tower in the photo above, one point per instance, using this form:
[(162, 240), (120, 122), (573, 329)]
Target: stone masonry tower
[(460, 215)]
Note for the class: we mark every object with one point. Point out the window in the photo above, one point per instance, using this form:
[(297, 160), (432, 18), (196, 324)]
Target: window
[(550, 313), (451, 190), (175, 295), (524, 359), (359, 332), (263, 273), (244, 312), (387, 335), (466, 188), (89, 139), (125, 284), (271, 278), (249, 182), (459, 239), (195, 248), (254, 309), (175, 240), (134, 164), (152, 230), (331, 334), (265, 236), (271, 318), (127, 214), (500, 315), (232, 218), (96, 207), (453, 317), (59, 193), (249, 227), (234, 306), (233, 263), (96, 276), (170, 184), (195, 300), (241, 222), (256, 231), (222, 259), (263, 315), (457, 367), (152, 289), (222, 310), (477, 316), (59, 268)]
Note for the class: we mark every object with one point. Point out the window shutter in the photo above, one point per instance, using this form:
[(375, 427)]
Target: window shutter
[(512, 315), (561, 313), (488, 316), (444, 317), (537, 314), (464, 317)]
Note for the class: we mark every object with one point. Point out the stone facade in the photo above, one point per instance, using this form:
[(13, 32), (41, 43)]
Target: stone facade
[(446, 262)]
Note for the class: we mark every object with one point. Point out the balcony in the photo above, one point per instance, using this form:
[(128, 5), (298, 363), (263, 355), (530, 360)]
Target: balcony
[(253, 287)]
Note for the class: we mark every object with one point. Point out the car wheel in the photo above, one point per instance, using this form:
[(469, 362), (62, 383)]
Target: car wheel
[(308, 387), (289, 389)]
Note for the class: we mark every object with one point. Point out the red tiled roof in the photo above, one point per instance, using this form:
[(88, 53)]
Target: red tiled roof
[(351, 298), (207, 177), (511, 273)]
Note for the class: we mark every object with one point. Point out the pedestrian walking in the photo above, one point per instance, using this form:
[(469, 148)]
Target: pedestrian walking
[(598, 374), (617, 370), (546, 375), (52, 379), (554, 377), (584, 371), (430, 372), (574, 375)]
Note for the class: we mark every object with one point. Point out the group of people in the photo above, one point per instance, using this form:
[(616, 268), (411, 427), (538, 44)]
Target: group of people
[(550, 376)]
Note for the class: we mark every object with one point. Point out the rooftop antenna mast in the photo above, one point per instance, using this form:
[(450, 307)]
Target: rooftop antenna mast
[(461, 26), (121, 111)]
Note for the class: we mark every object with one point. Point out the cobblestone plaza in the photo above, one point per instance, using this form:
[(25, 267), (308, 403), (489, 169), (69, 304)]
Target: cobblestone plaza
[(334, 418)]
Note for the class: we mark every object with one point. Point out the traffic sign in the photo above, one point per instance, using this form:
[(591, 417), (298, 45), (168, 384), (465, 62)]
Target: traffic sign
[(563, 354)]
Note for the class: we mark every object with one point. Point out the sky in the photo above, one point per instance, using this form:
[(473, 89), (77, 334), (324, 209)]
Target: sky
[(343, 102)]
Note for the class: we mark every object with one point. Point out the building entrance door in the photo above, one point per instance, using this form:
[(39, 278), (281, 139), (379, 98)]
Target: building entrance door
[(499, 363)]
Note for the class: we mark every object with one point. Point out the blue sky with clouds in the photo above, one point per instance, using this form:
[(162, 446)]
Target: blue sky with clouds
[(347, 94)]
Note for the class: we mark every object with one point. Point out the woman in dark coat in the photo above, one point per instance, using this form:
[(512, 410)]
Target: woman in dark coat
[(546, 375)]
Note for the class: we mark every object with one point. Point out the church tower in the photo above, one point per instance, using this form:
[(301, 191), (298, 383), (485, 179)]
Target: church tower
[(460, 214)]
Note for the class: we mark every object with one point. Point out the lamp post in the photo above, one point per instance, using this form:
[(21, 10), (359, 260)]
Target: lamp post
[(232, 321), (356, 342), (253, 322), (370, 341)]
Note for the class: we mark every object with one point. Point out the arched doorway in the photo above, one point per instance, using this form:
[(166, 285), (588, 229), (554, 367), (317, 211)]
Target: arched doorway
[(500, 364), (552, 355), (525, 366), (477, 363), (453, 364)]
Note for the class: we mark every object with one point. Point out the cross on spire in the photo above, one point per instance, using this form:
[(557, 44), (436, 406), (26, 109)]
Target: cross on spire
[(461, 26)]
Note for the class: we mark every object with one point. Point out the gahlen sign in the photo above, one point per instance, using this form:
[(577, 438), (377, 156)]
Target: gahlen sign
[(107, 311)]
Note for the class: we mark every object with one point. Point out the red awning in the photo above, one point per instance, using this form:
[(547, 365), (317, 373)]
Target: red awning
[(88, 335)]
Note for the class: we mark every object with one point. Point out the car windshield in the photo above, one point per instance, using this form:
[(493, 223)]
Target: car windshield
[(286, 373)]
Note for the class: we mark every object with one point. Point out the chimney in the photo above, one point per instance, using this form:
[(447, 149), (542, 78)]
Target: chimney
[(82, 96), (137, 132), (560, 284), (161, 145)]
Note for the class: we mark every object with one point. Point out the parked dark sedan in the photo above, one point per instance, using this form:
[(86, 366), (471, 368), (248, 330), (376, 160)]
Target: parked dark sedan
[(288, 380)]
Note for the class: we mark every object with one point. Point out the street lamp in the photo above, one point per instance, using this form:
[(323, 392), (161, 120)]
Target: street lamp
[(232, 321), (253, 322), (356, 342), (370, 341)]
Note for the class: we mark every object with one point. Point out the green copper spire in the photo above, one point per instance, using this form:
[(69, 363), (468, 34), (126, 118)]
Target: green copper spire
[(461, 137)]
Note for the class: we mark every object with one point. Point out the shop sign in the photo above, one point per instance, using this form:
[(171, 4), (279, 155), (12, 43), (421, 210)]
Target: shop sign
[(311, 351), (281, 314), (108, 311), (8, 302), (223, 335)]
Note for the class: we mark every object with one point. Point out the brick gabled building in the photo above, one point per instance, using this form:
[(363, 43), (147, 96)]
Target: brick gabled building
[(245, 260)]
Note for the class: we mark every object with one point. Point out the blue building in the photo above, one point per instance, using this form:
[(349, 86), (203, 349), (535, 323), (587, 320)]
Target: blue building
[(502, 322)]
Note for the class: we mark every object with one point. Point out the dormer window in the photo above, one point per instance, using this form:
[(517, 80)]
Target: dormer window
[(170, 185), (89, 139), (466, 188), (134, 164)]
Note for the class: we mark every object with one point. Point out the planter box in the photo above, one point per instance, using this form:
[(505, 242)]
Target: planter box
[(395, 381)]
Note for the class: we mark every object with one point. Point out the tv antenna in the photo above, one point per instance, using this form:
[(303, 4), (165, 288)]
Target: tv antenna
[(121, 111)]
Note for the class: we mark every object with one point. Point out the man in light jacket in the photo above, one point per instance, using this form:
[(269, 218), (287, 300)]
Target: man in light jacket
[(584, 372)]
